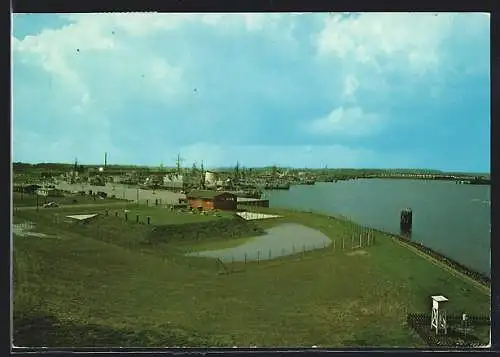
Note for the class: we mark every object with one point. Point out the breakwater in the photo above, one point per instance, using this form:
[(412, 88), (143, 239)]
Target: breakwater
[(477, 276)]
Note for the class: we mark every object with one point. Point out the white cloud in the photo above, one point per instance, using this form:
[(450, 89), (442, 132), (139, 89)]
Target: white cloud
[(411, 40), (347, 122), (121, 50), (350, 86)]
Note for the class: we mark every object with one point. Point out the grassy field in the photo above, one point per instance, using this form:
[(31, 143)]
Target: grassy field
[(105, 284), (22, 200)]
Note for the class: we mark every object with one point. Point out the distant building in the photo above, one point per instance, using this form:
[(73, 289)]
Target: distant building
[(209, 200), (224, 183), (210, 179), (175, 182), (47, 192), (252, 202)]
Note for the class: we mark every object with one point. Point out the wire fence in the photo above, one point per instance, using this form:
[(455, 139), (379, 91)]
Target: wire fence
[(462, 332), (237, 259)]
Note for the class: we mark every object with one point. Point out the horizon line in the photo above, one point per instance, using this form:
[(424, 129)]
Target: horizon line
[(258, 167)]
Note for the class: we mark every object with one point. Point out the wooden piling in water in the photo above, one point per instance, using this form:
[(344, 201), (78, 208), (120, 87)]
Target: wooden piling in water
[(406, 221), (126, 216), (136, 218), (149, 219)]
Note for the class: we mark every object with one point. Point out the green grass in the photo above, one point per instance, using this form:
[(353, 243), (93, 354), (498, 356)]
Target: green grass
[(164, 216), (105, 287), (27, 200)]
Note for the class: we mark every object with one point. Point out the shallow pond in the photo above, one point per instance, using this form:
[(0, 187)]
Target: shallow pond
[(285, 239)]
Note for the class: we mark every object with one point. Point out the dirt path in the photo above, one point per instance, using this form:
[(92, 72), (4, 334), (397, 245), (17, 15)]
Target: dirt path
[(82, 205)]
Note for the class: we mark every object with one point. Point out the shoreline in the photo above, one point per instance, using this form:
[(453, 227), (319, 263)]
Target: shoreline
[(460, 268), (478, 277)]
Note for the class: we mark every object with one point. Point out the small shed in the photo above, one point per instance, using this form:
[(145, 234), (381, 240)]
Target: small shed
[(209, 200)]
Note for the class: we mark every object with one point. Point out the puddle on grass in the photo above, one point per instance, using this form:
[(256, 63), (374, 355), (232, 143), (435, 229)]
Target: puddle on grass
[(24, 230), (282, 240)]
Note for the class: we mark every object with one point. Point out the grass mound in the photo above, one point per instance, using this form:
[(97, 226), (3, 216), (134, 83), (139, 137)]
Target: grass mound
[(220, 229)]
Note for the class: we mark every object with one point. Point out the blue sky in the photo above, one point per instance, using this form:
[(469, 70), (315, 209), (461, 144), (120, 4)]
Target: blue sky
[(369, 90)]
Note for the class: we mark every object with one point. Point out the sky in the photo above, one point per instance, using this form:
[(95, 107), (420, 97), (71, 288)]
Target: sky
[(350, 90)]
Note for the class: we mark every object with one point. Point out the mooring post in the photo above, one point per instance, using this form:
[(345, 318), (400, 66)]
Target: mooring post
[(406, 220), (116, 213), (149, 219), (360, 240), (126, 216), (147, 202), (136, 218), (156, 202)]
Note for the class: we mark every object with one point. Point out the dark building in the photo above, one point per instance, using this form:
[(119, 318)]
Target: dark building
[(209, 200)]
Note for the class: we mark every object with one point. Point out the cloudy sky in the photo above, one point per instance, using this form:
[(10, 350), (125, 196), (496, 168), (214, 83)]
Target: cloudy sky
[(366, 90)]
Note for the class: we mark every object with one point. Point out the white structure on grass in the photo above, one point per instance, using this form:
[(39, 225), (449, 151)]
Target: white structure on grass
[(438, 318), (82, 217), (250, 216)]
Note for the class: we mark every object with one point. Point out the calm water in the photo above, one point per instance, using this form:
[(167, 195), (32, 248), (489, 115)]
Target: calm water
[(447, 217), (285, 239)]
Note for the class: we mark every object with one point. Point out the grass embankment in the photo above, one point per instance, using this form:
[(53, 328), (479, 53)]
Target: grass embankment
[(27, 200), (106, 285)]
